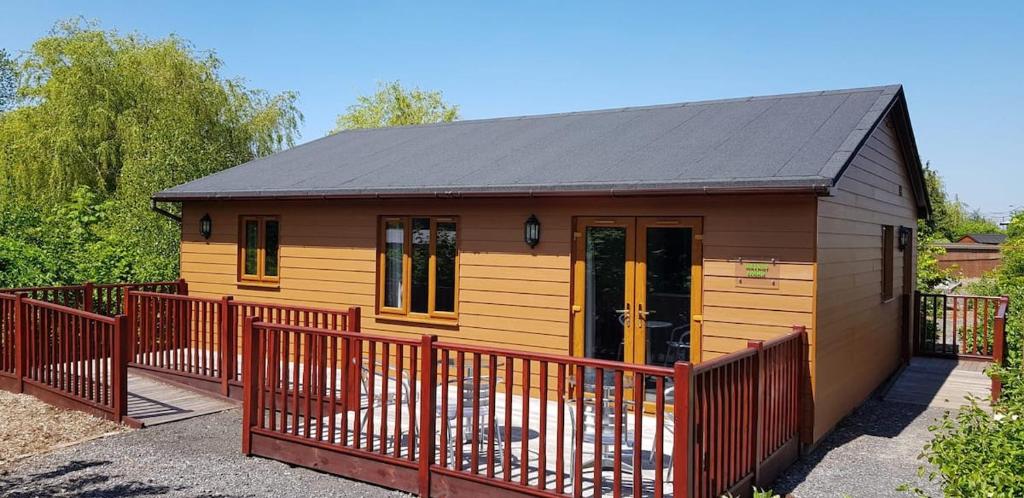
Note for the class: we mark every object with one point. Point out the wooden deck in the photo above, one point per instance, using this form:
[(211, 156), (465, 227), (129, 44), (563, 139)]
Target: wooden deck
[(153, 402), (940, 382)]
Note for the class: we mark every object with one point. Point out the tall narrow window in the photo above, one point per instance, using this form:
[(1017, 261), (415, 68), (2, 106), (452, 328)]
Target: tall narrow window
[(258, 247), (419, 266), (888, 248), (394, 263), (445, 249), (270, 244)]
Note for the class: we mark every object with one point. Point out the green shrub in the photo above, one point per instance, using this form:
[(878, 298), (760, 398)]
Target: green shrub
[(977, 453)]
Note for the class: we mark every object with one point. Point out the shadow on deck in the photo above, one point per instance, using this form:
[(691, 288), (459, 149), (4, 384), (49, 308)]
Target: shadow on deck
[(941, 383), (153, 402)]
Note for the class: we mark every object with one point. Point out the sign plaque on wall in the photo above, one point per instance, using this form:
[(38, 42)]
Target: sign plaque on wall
[(757, 274)]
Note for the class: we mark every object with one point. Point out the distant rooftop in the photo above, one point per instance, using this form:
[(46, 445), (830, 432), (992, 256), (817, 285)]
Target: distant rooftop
[(985, 238), (788, 142)]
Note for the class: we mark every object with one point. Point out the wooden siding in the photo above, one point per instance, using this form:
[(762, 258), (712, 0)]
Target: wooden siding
[(858, 334), (510, 295)]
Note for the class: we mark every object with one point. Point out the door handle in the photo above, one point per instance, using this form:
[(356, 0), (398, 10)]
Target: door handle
[(641, 314), (624, 315)]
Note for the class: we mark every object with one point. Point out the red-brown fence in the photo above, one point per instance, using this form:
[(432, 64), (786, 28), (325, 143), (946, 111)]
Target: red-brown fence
[(439, 418), (8, 342), (742, 412), (299, 316), (196, 341), (999, 345), (64, 356), (296, 400), (104, 299), (781, 362), (955, 326), (177, 335)]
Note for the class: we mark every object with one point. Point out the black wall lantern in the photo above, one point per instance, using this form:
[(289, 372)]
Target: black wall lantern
[(904, 240), (206, 226), (531, 231)]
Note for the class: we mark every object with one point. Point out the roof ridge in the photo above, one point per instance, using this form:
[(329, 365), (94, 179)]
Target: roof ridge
[(836, 165), (609, 110)]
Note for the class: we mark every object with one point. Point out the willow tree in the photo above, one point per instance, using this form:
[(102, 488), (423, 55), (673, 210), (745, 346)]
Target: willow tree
[(394, 105), (122, 116)]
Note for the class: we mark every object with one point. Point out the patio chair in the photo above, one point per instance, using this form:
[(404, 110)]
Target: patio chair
[(589, 436), (452, 416), (678, 345), (669, 396), (380, 404)]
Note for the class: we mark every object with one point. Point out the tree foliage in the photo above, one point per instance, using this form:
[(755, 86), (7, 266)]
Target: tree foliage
[(394, 105), (979, 452), (7, 83), (101, 121), (952, 218)]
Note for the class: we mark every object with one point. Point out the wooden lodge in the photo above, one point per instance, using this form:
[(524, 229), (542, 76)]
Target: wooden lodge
[(646, 235), (655, 301)]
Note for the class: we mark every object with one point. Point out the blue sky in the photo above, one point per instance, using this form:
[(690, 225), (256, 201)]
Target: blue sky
[(962, 62)]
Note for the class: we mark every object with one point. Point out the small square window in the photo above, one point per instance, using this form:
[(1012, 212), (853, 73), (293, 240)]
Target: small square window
[(259, 249)]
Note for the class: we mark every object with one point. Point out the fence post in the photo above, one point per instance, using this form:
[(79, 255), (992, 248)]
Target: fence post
[(119, 368), (20, 340), (87, 301), (759, 397), (250, 384), (428, 410), (129, 307), (353, 324), (182, 287), (228, 355), (805, 406), (999, 346), (915, 324), (682, 443)]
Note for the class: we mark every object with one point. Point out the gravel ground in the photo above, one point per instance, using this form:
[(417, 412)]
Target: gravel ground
[(196, 457), (29, 426), (869, 454)]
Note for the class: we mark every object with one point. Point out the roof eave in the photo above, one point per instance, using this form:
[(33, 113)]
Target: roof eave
[(816, 188)]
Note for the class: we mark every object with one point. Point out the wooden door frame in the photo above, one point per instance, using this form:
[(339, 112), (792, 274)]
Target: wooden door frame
[(579, 276), (695, 224), (635, 238)]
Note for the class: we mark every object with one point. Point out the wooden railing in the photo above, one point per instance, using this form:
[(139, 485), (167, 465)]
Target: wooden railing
[(588, 415), (196, 341), (782, 363), (999, 345), (300, 316), (8, 342), (439, 418), (298, 382), (103, 299), (177, 335), (956, 326), (65, 356)]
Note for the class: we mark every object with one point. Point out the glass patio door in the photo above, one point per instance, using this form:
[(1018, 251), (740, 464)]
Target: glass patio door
[(637, 289)]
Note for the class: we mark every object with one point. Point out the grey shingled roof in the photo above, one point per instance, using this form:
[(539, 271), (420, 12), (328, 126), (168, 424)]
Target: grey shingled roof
[(988, 238), (795, 141)]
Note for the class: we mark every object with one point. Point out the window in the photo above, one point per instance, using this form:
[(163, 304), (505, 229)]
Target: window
[(887, 261), (418, 274), (258, 249)]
